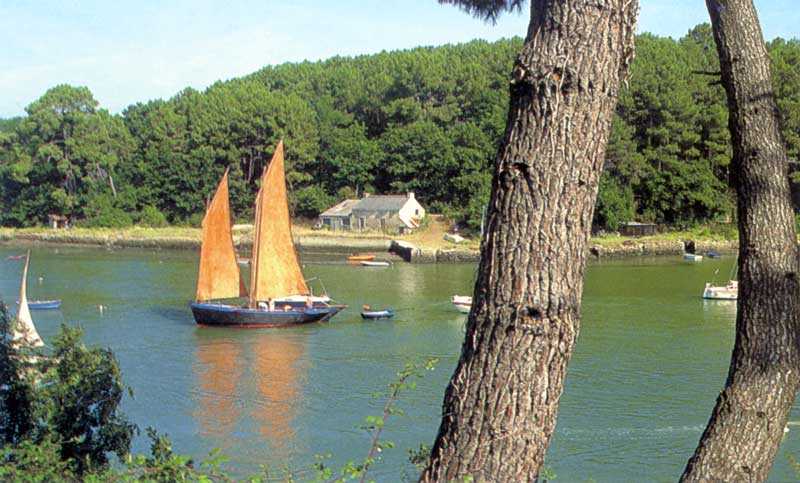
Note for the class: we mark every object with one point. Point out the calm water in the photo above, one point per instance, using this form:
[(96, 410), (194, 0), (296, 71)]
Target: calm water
[(647, 367)]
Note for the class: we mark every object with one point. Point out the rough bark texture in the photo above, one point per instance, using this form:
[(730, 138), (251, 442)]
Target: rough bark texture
[(500, 407), (747, 424)]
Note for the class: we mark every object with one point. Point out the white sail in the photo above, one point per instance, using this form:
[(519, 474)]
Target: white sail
[(25, 330)]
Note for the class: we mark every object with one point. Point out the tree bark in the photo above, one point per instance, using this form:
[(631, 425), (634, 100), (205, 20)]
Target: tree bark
[(748, 422), (500, 407)]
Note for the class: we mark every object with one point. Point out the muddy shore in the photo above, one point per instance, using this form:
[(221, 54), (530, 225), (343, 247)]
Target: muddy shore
[(407, 251)]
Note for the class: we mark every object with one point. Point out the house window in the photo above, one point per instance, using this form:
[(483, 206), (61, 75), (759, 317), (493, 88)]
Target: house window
[(362, 223), (416, 212)]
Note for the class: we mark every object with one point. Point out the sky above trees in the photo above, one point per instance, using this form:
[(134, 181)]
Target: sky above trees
[(127, 52)]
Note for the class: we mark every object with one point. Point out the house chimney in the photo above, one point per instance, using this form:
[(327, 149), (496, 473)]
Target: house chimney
[(410, 195)]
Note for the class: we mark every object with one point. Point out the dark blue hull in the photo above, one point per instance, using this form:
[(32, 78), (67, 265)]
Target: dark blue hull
[(233, 316), (377, 314)]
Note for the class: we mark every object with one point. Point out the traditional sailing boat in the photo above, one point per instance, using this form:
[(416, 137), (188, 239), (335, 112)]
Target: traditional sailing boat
[(25, 332), (279, 295)]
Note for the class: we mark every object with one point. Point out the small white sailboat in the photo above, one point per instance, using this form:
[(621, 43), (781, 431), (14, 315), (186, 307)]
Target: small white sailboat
[(462, 303), (25, 332)]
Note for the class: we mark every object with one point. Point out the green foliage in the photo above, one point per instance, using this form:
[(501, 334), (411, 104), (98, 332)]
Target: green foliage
[(150, 216), (103, 211), (65, 402), (311, 201), (427, 120)]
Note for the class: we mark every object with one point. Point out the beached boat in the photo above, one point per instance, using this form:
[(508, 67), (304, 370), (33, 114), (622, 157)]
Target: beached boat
[(43, 304), (275, 272), (725, 292), (692, 257), (360, 258), (462, 303), (368, 263), (24, 331)]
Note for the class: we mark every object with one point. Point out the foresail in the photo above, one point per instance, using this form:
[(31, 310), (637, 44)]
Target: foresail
[(219, 276), (25, 330), (275, 269)]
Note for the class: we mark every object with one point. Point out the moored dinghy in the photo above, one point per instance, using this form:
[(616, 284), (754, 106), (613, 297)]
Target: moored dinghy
[(726, 292), (462, 303), (275, 270), (44, 304), (370, 314)]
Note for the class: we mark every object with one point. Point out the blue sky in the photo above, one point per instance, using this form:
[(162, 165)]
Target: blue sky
[(127, 52)]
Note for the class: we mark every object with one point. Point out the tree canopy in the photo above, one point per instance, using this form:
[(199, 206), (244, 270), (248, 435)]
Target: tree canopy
[(426, 119)]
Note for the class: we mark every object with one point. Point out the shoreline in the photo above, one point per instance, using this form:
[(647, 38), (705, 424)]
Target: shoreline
[(627, 248)]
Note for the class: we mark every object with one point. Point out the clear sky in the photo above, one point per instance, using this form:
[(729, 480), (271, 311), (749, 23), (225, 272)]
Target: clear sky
[(127, 51)]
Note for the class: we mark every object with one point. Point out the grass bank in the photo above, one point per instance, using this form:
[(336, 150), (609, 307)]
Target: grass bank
[(431, 238)]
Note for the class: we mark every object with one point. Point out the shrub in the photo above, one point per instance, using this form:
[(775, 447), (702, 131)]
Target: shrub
[(152, 217)]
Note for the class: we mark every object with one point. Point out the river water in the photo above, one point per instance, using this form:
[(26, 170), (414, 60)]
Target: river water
[(649, 363)]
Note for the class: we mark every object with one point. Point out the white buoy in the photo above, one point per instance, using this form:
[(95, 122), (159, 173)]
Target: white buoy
[(100, 308)]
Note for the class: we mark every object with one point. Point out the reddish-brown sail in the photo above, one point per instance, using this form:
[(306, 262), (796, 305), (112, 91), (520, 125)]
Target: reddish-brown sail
[(219, 276), (275, 269)]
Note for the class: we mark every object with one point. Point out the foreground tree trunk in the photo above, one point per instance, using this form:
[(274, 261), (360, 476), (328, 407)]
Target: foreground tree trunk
[(500, 407), (747, 424)]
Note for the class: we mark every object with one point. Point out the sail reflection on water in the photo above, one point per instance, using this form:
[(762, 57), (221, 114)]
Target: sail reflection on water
[(218, 366), (250, 388), (277, 360)]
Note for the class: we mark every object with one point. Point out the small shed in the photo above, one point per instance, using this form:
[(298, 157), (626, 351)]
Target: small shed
[(634, 229), (57, 221)]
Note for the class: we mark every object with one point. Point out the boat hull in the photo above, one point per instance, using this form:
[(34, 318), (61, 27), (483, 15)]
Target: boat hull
[(463, 308), (233, 316), (361, 258), (367, 263), (377, 314), (43, 304)]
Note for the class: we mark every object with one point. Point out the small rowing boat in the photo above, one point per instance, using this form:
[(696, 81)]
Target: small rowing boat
[(368, 263), (462, 303), (727, 292), (367, 313), (43, 304), (361, 258)]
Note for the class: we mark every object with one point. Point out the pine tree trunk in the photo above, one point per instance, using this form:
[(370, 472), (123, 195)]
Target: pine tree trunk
[(748, 422), (500, 407)]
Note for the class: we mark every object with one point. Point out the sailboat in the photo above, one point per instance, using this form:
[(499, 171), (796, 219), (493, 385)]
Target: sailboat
[(25, 332), (278, 293)]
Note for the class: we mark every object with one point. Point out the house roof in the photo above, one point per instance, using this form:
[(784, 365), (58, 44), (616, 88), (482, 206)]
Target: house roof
[(342, 209), (382, 203)]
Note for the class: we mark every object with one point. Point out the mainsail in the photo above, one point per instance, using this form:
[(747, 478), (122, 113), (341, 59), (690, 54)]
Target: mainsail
[(25, 330), (219, 276), (275, 269)]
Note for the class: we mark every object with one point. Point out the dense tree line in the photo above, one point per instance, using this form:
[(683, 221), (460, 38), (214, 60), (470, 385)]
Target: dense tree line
[(426, 120)]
